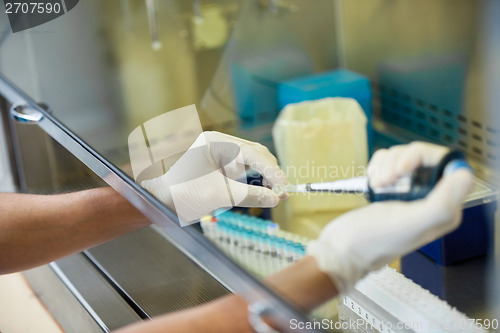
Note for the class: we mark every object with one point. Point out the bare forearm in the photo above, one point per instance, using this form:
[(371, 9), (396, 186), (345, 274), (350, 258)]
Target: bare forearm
[(227, 314), (302, 284), (37, 229)]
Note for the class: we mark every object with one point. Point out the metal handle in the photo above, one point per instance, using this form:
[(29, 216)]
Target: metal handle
[(256, 311), (25, 114)]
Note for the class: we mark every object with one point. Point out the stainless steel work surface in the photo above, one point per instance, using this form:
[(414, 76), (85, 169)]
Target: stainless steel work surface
[(79, 297), (156, 276)]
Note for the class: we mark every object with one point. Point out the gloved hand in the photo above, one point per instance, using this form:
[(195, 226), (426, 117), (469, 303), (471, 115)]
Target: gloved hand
[(388, 165), (368, 238), (204, 178)]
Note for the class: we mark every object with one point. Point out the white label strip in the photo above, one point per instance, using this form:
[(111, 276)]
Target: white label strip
[(375, 322)]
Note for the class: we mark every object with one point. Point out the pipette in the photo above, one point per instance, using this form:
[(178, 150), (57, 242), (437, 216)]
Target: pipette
[(411, 187)]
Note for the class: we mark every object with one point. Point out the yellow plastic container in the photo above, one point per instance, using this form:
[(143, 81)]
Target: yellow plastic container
[(319, 141)]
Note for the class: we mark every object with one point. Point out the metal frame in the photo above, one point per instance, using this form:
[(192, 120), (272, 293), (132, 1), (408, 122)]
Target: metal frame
[(12, 147), (188, 240), (60, 274)]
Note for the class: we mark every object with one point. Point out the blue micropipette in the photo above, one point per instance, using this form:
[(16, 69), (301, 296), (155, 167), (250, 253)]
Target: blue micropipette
[(411, 187)]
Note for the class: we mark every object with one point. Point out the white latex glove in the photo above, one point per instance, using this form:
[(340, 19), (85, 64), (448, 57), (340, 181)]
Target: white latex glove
[(388, 165), (204, 178), (368, 238)]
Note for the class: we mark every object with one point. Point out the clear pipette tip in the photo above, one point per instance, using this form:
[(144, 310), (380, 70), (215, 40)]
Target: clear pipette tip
[(290, 188)]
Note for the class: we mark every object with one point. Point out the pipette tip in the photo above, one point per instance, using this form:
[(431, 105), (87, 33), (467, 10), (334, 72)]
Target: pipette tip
[(290, 188)]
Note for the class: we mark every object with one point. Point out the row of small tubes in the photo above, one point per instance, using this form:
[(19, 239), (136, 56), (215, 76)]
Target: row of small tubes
[(257, 244)]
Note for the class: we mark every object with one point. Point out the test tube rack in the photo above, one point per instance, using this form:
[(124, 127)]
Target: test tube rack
[(257, 244), (386, 301)]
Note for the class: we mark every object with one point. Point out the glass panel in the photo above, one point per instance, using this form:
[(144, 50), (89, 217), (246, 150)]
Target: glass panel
[(111, 69), (103, 77)]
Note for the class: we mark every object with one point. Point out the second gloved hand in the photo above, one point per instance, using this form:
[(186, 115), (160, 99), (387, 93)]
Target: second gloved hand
[(204, 178), (368, 238)]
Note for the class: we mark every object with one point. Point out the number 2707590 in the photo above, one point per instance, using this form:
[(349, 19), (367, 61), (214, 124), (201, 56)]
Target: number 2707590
[(32, 8)]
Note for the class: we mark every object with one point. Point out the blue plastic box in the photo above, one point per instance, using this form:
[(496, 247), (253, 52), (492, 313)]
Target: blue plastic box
[(337, 83), (255, 79), (474, 235)]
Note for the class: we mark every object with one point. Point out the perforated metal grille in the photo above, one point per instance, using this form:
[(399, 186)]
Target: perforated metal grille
[(155, 274), (437, 123)]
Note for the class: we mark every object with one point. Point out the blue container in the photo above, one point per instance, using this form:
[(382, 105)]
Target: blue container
[(255, 79), (454, 267), (458, 284), (471, 239), (337, 83), (255, 97)]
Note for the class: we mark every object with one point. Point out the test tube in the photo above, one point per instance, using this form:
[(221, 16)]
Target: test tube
[(218, 231), (297, 251), (302, 250), (251, 244), (266, 242), (220, 234), (204, 225), (241, 249), (281, 253), (211, 226), (289, 251), (256, 241), (245, 257), (232, 237), (273, 229), (261, 255)]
